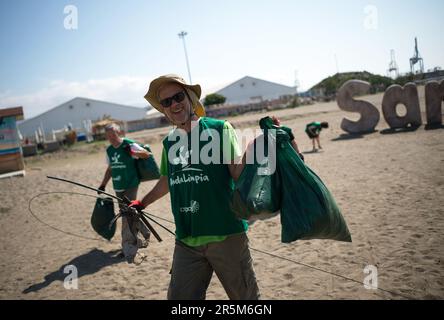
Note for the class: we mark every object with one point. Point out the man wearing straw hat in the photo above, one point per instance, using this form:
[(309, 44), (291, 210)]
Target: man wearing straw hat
[(208, 235)]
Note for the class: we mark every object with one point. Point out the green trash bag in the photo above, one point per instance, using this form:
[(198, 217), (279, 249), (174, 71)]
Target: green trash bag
[(256, 196), (102, 216), (308, 210), (147, 169)]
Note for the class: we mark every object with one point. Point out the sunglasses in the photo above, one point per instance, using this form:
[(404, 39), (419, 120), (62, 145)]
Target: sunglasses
[(178, 97)]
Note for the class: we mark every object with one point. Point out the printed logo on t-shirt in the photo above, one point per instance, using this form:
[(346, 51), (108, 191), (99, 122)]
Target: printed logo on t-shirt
[(191, 176), (115, 163), (187, 174), (193, 208), (183, 158), (115, 158)]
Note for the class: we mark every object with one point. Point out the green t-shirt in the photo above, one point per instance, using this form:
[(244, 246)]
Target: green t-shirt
[(231, 151), (233, 145), (123, 170), (314, 128), (288, 131)]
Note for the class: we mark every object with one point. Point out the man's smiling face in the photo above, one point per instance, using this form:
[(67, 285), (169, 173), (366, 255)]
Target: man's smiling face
[(177, 112), (113, 137)]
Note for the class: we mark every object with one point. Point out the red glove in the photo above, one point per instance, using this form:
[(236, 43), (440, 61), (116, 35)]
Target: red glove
[(136, 204)]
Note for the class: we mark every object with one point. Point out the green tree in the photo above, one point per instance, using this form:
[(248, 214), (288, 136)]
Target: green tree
[(214, 98)]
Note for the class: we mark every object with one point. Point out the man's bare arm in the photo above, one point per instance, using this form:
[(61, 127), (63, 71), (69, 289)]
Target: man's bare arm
[(159, 190), (106, 177)]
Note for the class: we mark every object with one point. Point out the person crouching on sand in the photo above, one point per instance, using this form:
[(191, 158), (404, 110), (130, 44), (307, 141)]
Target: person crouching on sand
[(313, 130)]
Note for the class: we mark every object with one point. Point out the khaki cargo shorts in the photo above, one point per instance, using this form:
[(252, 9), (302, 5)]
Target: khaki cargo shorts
[(231, 260)]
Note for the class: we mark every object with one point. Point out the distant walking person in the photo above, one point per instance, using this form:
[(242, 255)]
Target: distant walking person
[(313, 130)]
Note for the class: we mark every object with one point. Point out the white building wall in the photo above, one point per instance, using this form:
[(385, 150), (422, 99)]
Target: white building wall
[(75, 112), (249, 89)]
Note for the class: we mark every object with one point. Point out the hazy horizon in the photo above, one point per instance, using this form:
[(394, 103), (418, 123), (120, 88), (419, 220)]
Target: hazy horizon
[(115, 48)]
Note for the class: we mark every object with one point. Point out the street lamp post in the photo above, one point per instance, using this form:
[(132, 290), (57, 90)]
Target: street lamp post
[(182, 36)]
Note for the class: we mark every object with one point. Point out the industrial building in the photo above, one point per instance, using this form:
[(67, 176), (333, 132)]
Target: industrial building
[(253, 90), (75, 113)]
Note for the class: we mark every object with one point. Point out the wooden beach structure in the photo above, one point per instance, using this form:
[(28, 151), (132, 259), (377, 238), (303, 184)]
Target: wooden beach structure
[(11, 159)]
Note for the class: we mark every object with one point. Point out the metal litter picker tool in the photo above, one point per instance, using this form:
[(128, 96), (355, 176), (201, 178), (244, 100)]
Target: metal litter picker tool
[(131, 212)]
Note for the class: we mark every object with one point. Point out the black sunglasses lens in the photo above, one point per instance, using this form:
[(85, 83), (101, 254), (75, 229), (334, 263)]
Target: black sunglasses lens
[(179, 97), (167, 102)]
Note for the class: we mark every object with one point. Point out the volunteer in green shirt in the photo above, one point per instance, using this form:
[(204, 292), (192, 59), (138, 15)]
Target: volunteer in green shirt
[(313, 130), (209, 237), (121, 155)]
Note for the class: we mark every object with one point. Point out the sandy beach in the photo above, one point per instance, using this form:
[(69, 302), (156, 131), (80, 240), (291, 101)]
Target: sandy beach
[(390, 188)]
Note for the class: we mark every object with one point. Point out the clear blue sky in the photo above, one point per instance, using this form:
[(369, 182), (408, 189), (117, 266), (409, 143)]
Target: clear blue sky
[(120, 46)]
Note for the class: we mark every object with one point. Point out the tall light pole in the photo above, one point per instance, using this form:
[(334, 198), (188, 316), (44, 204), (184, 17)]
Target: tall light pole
[(336, 61), (182, 35)]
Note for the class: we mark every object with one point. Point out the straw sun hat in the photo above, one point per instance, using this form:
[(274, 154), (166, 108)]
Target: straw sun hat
[(193, 91)]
